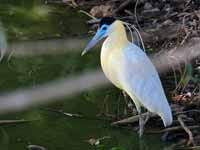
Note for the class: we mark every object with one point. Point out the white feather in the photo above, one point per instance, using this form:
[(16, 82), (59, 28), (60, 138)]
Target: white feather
[(130, 69), (140, 80)]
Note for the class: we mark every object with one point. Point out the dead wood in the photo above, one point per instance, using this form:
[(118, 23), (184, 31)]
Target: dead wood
[(175, 145), (132, 119), (122, 6), (159, 34), (190, 148), (62, 112), (177, 56), (174, 128), (187, 130)]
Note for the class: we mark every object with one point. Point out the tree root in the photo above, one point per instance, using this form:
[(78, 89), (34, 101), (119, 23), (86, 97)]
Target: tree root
[(187, 130)]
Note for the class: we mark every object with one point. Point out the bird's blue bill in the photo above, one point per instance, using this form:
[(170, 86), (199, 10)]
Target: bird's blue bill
[(96, 39)]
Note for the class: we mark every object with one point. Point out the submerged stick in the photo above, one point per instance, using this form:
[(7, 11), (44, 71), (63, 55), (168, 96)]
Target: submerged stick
[(62, 112)]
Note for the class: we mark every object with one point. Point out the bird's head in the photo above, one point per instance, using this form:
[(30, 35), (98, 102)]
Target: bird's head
[(104, 30)]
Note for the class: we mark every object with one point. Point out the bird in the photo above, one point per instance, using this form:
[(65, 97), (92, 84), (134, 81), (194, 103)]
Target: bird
[(129, 68)]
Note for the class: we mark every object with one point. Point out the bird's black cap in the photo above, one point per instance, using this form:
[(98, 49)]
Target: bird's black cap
[(107, 21)]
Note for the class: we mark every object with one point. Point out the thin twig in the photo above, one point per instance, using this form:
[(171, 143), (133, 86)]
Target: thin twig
[(185, 38), (122, 6), (79, 116), (190, 148), (188, 111), (174, 128), (93, 21), (62, 112), (131, 119), (187, 130), (135, 13), (89, 15)]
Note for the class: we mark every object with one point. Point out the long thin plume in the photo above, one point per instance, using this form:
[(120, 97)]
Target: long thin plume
[(129, 26)]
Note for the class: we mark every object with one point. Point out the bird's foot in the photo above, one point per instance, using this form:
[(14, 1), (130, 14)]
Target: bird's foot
[(142, 122), (141, 126)]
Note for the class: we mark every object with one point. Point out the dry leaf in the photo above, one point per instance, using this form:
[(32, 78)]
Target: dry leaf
[(101, 11)]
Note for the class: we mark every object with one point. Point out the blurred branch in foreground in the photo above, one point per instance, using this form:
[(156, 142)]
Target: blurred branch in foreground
[(3, 41), (71, 86), (52, 91), (175, 57), (164, 61), (46, 47)]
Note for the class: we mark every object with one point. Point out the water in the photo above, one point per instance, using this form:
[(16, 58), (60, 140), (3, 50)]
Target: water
[(32, 20)]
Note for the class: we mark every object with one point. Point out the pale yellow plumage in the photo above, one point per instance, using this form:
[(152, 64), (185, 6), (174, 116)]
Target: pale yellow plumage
[(112, 52), (112, 57), (130, 69)]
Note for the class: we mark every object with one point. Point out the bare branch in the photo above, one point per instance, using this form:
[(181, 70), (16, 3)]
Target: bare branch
[(52, 91), (187, 130)]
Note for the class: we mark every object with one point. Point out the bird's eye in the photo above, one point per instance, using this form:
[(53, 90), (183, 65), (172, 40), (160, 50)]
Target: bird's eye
[(104, 28)]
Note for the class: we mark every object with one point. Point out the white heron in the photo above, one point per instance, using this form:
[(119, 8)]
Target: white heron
[(130, 69)]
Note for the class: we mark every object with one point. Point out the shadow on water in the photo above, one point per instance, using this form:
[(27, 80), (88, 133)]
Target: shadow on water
[(31, 20)]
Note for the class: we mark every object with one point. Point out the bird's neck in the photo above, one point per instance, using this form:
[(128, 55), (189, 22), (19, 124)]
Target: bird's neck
[(117, 39)]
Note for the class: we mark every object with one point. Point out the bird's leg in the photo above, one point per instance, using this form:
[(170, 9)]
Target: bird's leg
[(141, 124), (125, 97), (148, 114), (129, 105), (126, 102)]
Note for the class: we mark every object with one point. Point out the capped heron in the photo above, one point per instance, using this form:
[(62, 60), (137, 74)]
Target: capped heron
[(130, 69)]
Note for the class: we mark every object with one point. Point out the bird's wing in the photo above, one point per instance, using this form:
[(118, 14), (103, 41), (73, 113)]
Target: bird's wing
[(140, 79)]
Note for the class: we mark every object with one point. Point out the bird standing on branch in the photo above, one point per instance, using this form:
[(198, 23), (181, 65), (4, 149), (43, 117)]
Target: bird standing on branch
[(130, 69)]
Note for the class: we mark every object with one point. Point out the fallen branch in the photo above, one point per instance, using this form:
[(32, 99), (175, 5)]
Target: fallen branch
[(175, 145), (62, 112), (175, 128), (190, 148), (132, 119), (188, 111), (122, 6)]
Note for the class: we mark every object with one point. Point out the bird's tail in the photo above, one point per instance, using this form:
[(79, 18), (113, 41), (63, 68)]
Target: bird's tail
[(167, 116)]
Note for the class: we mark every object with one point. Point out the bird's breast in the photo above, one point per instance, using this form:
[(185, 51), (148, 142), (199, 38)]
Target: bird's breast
[(111, 62)]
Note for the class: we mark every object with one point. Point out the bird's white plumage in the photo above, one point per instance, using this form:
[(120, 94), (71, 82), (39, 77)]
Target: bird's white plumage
[(141, 81), (131, 70)]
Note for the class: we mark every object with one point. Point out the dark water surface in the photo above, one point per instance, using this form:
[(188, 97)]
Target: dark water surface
[(33, 20)]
